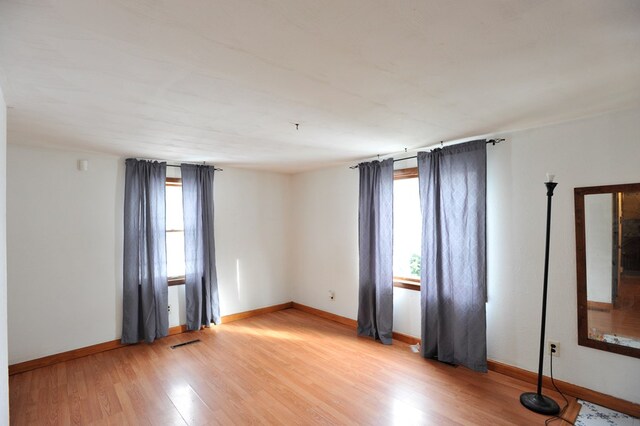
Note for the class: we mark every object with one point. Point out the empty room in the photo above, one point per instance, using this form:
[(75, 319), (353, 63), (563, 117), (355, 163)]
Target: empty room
[(298, 212)]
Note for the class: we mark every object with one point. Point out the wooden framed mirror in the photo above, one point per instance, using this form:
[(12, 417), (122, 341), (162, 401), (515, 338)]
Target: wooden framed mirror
[(608, 267)]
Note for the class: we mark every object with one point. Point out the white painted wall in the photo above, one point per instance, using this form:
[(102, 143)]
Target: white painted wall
[(596, 151), (598, 220), (252, 239), (4, 379), (65, 248), (64, 257), (325, 247)]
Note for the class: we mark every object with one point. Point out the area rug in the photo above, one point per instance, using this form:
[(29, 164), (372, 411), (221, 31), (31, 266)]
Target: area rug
[(594, 415)]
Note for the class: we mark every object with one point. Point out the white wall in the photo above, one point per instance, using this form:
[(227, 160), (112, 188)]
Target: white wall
[(598, 220), (324, 252), (252, 239), (4, 382), (65, 248), (597, 151), (325, 247), (64, 245)]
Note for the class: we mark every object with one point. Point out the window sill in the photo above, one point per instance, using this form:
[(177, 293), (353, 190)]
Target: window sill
[(175, 281), (407, 283)]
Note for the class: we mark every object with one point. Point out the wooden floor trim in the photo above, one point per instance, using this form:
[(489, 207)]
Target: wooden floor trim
[(576, 391), (348, 321), (324, 314), (252, 313), (25, 366), (579, 392), (571, 413)]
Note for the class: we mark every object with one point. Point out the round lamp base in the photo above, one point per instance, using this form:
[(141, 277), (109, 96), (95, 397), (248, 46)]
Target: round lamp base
[(539, 403)]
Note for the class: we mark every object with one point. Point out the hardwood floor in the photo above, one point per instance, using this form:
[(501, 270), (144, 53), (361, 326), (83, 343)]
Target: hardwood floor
[(623, 319), (286, 367)]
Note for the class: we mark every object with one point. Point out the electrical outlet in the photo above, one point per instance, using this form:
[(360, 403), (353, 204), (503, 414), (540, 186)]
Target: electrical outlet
[(553, 348), (332, 295), (169, 308)]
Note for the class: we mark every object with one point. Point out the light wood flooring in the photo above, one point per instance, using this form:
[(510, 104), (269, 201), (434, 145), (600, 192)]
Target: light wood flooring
[(624, 318), (287, 367)]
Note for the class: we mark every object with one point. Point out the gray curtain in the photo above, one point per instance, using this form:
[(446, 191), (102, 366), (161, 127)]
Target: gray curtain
[(145, 315), (453, 273), (375, 215), (201, 281)]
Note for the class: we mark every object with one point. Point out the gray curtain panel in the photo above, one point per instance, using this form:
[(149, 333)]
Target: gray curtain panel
[(201, 281), (145, 315), (453, 274), (375, 227)]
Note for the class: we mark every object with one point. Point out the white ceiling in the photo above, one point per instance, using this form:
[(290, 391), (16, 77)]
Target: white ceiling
[(224, 81)]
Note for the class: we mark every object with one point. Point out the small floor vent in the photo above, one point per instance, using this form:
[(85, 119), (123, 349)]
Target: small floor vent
[(185, 343)]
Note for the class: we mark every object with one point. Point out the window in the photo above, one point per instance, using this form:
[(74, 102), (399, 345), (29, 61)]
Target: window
[(407, 229), (175, 232)]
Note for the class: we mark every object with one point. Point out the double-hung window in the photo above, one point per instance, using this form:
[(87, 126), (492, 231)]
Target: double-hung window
[(175, 232), (407, 229)]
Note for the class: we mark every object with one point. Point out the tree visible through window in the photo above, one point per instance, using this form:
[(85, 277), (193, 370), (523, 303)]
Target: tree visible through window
[(175, 232), (407, 229)]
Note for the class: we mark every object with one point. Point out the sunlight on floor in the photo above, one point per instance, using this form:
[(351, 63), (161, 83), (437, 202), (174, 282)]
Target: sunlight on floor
[(404, 414), (184, 398), (261, 332)]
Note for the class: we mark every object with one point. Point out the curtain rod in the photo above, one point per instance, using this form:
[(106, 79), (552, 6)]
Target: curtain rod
[(488, 141), (178, 165)]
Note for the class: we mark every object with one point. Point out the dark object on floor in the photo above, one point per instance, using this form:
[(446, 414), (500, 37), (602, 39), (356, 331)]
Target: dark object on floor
[(185, 343)]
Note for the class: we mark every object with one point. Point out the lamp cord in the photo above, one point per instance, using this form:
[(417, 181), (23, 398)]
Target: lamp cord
[(560, 415)]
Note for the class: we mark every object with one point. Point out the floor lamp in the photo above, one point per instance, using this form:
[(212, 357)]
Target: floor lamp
[(536, 401)]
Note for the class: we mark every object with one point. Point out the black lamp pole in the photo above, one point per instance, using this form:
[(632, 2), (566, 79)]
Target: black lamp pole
[(536, 401)]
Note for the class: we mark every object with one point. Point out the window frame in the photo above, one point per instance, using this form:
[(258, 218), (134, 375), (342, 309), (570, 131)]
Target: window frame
[(407, 283), (171, 281)]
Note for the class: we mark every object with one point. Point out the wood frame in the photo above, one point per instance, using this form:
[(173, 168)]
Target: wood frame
[(408, 173), (407, 283), (581, 265)]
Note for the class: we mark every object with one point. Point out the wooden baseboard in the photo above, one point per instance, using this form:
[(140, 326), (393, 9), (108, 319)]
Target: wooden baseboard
[(324, 314), (25, 366), (252, 313), (599, 306), (580, 392), (571, 413), (349, 322), (576, 391), (405, 338)]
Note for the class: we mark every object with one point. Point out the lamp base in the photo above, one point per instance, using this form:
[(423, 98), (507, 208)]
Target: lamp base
[(539, 403)]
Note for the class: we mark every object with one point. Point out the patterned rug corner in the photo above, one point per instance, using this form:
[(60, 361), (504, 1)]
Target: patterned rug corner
[(594, 415)]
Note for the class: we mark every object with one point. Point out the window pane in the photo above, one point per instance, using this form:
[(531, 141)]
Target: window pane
[(407, 228), (175, 254), (174, 207)]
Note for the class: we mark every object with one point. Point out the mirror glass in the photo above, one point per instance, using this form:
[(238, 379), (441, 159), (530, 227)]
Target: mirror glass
[(608, 246)]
